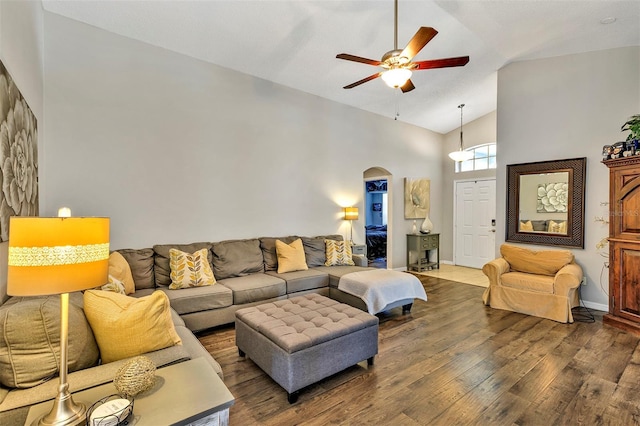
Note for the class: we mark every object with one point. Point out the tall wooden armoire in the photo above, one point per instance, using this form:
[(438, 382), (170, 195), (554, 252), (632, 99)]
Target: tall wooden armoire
[(624, 243)]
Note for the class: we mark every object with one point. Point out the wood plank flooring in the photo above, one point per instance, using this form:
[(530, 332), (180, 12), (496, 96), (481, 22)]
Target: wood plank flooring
[(453, 361)]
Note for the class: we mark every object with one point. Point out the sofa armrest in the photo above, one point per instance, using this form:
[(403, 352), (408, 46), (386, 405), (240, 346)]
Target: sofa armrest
[(568, 277), (360, 260), (494, 269)]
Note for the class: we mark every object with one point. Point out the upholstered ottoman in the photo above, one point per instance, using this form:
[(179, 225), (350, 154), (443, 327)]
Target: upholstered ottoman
[(302, 340)]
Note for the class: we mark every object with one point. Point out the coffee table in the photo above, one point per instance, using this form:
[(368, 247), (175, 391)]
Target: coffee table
[(188, 393)]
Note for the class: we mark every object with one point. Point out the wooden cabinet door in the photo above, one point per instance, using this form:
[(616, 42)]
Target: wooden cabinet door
[(626, 285), (625, 203)]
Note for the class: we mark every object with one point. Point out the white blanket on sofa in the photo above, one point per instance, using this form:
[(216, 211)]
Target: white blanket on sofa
[(380, 287)]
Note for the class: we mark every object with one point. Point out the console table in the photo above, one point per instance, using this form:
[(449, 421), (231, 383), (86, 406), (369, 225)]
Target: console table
[(423, 252), (188, 393)]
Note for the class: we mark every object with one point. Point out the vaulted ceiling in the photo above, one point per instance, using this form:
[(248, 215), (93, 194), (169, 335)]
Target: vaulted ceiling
[(295, 42)]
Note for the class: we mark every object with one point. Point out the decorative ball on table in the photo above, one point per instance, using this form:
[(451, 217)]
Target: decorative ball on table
[(136, 376)]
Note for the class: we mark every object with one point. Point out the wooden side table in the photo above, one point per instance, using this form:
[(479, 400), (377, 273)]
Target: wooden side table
[(188, 393), (423, 252)]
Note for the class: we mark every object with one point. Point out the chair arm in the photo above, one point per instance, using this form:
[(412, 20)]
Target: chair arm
[(494, 269), (567, 278)]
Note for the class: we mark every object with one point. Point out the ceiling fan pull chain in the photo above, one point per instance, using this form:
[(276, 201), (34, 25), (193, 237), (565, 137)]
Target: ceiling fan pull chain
[(397, 104)]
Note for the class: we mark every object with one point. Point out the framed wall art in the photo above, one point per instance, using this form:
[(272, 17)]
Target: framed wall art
[(416, 198), (18, 155)]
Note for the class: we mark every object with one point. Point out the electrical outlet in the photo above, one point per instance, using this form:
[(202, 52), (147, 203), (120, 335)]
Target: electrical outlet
[(584, 280)]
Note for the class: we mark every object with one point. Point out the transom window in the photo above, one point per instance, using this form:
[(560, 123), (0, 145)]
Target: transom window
[(484, 157)]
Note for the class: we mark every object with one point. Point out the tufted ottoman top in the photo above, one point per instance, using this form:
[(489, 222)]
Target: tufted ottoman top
[(304, 321)]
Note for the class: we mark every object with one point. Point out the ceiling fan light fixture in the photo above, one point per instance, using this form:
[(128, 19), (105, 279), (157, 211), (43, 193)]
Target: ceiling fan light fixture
[(396, 77)]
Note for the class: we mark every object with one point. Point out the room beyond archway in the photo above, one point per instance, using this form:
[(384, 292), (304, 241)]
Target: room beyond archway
[(377, 215)]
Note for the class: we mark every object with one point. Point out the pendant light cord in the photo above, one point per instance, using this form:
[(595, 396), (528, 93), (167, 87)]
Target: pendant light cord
[(461, 143)]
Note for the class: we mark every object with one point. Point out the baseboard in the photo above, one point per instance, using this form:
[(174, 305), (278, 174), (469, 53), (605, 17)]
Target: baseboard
[(596, 306)]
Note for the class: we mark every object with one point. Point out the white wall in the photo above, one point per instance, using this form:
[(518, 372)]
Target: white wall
[(568, 107), (476, 132), (21, 52), (176, 150)]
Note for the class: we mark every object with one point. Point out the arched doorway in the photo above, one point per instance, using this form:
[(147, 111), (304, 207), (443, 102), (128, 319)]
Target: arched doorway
[(377, 213)]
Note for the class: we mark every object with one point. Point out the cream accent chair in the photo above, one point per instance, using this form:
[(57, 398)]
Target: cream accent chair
[(540, 283)]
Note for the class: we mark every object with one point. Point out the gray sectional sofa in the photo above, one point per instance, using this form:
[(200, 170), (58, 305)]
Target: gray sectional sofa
[(246, 275)]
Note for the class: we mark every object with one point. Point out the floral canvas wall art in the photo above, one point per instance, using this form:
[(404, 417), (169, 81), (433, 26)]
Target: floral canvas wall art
[(552, 197), (416, 198), (18, 155)]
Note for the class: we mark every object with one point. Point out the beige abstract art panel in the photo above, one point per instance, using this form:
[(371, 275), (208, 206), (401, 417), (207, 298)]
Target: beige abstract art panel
[(416, 198)]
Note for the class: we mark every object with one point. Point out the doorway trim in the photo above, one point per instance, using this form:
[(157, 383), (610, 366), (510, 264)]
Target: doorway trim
[(455, 210), (377, 173)]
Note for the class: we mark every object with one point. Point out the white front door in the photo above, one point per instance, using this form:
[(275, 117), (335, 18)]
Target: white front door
[(475, 230)]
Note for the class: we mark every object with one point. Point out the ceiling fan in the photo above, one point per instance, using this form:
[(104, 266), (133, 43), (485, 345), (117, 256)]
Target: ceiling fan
[(397, 63)]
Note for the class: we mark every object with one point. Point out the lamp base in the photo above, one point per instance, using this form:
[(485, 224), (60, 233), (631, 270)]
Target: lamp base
[(65, 412)]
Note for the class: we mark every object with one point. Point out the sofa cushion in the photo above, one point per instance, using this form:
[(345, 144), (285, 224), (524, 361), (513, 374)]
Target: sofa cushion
[(336, 272), (291, 256), (254, 288), (30, 340), (236, 258), (120, 270), (539, 225), (190, 270), (338, 253), (162, 268), (303, 280), (314, 251), (126, 326), (196, 299), (269, 255), (141, 264), (529, 282), (543, 262)]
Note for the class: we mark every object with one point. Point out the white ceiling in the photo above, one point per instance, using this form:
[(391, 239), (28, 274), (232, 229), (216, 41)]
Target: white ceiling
[(295, 42)]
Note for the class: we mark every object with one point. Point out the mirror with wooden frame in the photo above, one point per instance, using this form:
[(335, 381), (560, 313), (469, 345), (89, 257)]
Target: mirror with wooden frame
[(545, 202)]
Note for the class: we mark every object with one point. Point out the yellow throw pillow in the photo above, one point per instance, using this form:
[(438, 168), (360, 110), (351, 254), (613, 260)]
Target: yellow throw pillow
[(338, 253), (126, 326), (291, 256), (557, 227), (526, 226), (190, 270), (120, 270)]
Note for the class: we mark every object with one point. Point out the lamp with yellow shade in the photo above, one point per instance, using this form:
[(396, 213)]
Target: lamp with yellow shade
[(351, 214), (58, 255)]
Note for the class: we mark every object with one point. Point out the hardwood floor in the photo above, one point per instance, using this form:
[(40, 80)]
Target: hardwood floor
[(453, 361)]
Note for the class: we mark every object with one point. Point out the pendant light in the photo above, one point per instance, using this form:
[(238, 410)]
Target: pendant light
[(461, 154)]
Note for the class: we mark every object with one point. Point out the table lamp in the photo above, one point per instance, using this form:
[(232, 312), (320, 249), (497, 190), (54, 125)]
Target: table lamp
[(58, 255), (351, 214)]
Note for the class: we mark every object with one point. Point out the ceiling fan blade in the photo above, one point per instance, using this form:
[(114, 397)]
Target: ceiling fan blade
[(407, 87), (364, 80), (441, 63), (348, 57), (419, 40)]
